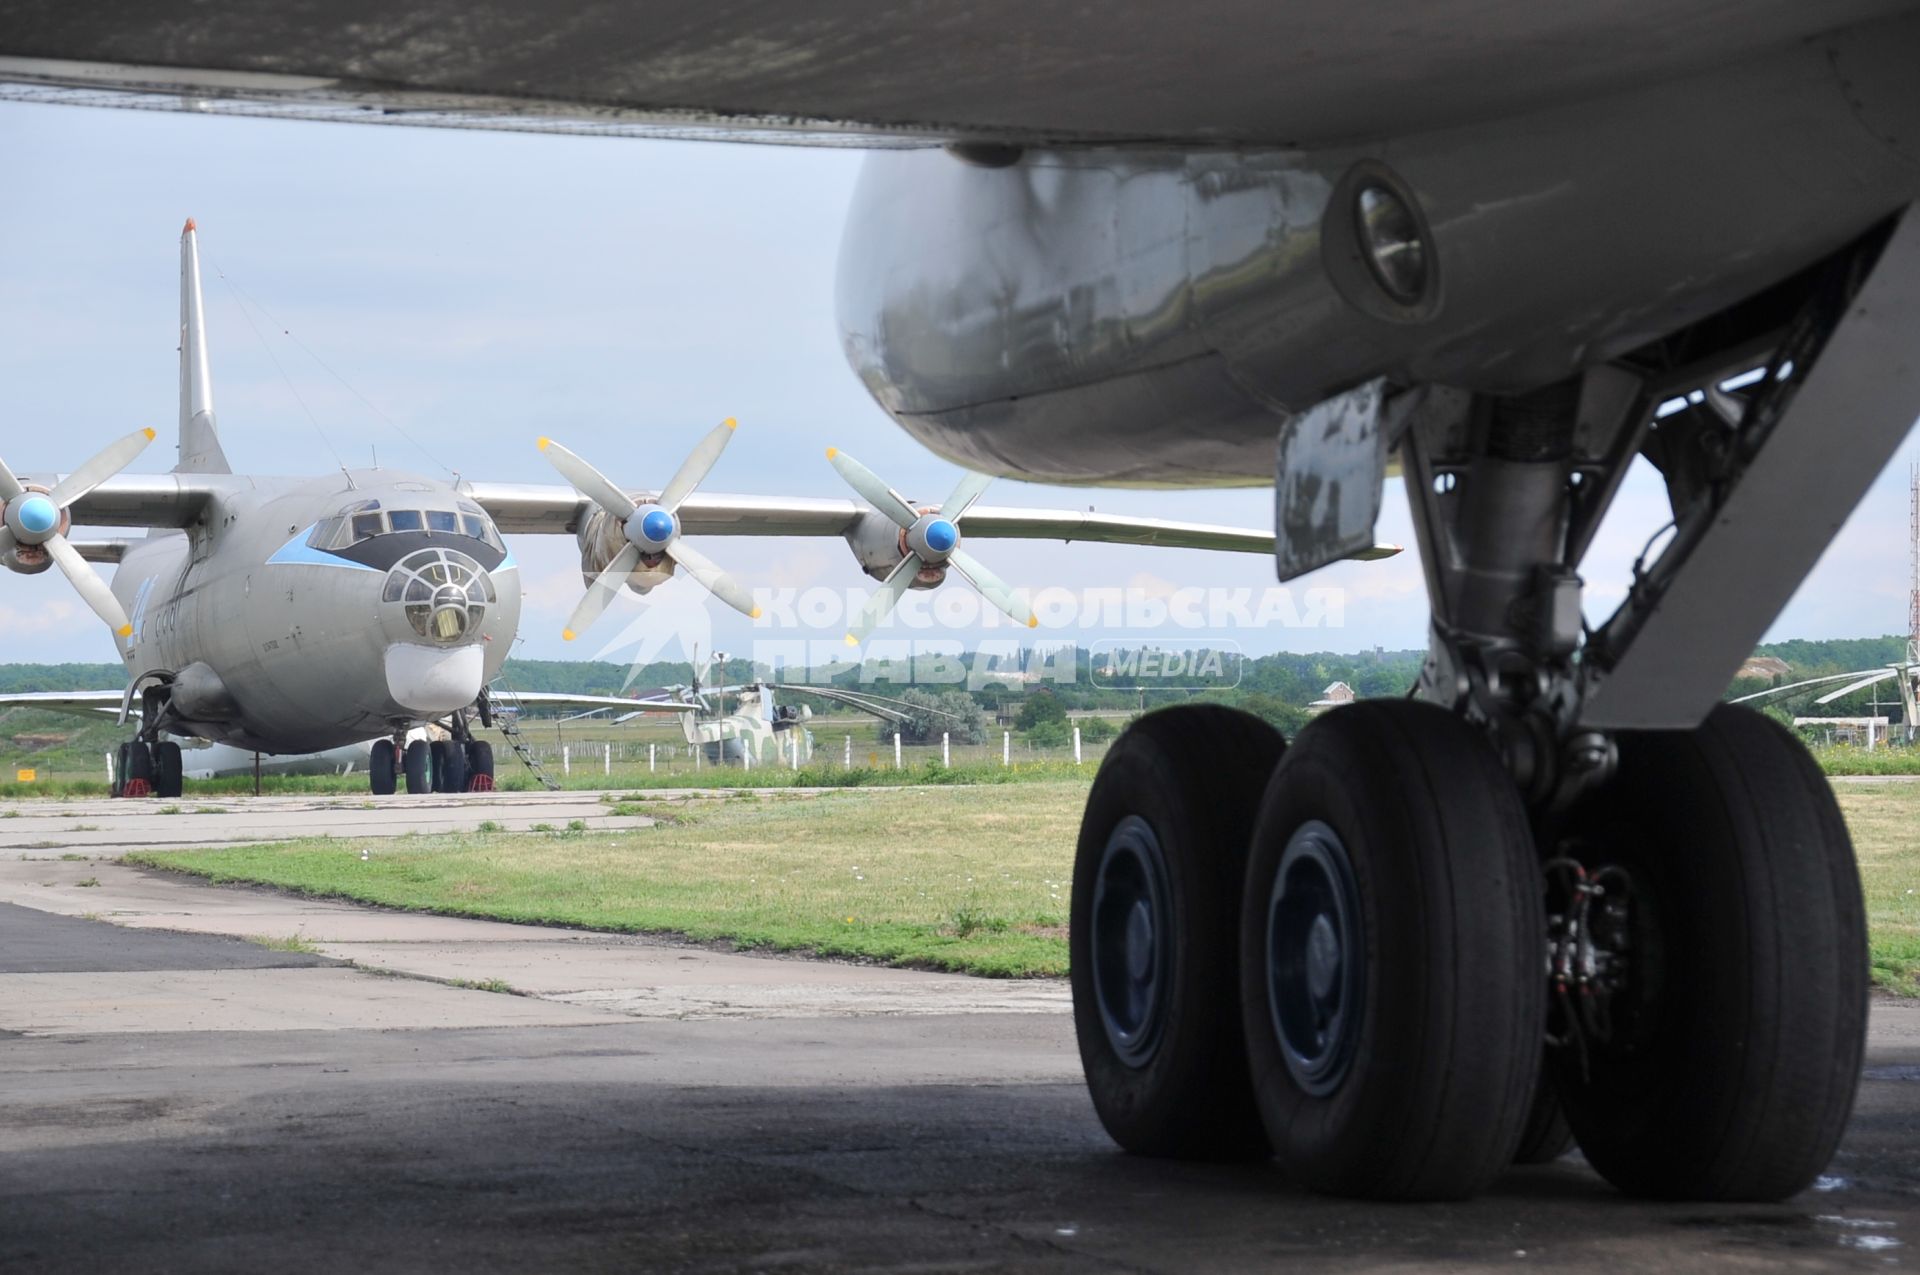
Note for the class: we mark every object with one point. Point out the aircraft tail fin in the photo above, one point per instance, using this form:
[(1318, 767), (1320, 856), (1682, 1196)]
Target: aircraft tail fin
[(200, 451)]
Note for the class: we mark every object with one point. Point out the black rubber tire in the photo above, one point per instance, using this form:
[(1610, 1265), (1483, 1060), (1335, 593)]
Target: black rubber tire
[(1546, 1136), (1733, 1069), (479, 759), (382, 765), (1443, 1047), (139, 763), (449, 766), (1194, 774), (168, 780), (417, 765)]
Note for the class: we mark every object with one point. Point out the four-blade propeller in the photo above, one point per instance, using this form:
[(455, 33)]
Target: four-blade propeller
[(932, 540), (652, 528), (32, 519)]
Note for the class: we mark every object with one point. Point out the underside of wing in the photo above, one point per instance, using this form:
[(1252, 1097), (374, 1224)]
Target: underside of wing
[(561, 700), (868, 72), (90, 704), (989, 522)]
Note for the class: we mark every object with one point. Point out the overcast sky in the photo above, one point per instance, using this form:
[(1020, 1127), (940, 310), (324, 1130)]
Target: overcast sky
[(622, 296)]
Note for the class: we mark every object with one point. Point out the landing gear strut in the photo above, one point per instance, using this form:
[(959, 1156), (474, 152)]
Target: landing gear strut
[(1567, 894)]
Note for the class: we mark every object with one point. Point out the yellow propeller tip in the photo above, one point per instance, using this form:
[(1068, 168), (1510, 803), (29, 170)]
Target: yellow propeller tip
[(150, 434), (852, 640), (754, 614), (125, 630), (730, 423), (544, 443), (567, 635), (1033, 621), (832, 452)]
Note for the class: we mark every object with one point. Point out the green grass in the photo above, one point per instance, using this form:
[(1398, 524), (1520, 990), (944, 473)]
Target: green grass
[(946, 878), (1884, 819), (291, 943), (949, 878)]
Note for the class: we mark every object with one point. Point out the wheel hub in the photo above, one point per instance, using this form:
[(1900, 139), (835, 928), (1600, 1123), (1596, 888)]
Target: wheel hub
[(1132, 922), (1316, 976)]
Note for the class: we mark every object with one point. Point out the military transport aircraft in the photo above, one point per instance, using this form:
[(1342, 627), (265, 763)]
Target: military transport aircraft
[(299, 615), (1300, 243)]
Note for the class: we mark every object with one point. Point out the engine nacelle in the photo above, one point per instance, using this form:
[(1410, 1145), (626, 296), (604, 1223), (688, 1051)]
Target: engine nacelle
[(602, 537), (878, 544), (26, 560), (31, 560), (199, 695)]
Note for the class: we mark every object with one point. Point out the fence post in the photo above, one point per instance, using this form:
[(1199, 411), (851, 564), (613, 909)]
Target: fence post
[(1006, 748), (848, 764), (650, 748), (609, 762), (795, 746), (946, 749), (566, 759), (110, 775), (896, 750), (1076, 745)]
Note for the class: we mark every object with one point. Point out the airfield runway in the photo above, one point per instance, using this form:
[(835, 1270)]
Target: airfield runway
[(174, 1097)]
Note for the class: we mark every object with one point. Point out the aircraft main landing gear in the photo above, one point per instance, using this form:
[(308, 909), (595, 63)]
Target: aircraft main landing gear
[(1559, 888)]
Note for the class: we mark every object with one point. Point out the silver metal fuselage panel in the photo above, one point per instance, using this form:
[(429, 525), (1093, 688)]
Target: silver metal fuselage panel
[(300, 643)]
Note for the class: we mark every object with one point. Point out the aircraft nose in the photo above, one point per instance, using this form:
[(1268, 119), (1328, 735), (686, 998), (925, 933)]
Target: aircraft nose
[(428, 679)]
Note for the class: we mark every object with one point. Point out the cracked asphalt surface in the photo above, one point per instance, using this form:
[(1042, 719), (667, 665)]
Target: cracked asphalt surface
[(175, 1098)]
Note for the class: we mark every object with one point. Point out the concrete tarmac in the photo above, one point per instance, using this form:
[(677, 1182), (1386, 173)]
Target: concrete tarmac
[(175, 1097)]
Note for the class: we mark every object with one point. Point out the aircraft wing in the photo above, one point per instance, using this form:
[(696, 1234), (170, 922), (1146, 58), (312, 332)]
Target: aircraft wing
[(558, 699), (867, 72), (91, 704), (550, 509)]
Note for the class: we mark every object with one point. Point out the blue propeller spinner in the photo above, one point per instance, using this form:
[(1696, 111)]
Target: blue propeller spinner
[(651, 527), (33, 525), (932, 540)]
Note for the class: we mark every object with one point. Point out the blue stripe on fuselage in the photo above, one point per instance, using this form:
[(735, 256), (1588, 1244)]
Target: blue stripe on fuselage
[(297, 552)]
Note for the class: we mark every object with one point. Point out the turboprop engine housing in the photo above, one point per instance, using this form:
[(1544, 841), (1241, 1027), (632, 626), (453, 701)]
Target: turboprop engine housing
[(601, 539), (878, 544)]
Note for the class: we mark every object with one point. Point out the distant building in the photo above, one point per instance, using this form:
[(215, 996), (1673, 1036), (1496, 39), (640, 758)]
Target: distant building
[(1336, 694), (1764, 668)]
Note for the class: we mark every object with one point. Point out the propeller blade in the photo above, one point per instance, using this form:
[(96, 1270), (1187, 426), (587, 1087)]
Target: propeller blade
[(112, 458), (991, 587), (92, 589), (588, 481), (881, 604), (696, 466), (717, 582), (868, 484), (1860, 685), (965, 492), (9, 485), (600, 592)]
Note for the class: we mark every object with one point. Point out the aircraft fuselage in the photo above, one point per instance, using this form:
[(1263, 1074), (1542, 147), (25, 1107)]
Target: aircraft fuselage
[(289, 628)]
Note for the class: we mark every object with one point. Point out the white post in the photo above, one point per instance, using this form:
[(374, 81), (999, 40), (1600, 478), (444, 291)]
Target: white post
[(795, 746), (946, 751), (1076, 745), (1006, 748), (566, 759), (650, 757), (848, 763), (896, 750), (609, 761), (110, 775), (746, 752)]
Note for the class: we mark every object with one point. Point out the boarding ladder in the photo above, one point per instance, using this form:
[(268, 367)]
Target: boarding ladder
[(503, 709)]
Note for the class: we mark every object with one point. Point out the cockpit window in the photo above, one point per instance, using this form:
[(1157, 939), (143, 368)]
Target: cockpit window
[(366, 526), (443, 520), (406, 519)]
